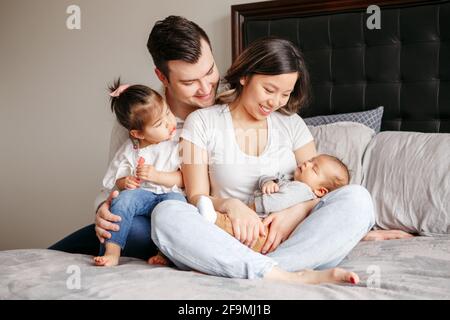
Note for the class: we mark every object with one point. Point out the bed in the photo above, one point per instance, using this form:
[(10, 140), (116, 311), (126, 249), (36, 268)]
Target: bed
[(404, 67)]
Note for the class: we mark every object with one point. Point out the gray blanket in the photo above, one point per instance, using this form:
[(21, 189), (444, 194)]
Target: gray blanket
[(416, 268)]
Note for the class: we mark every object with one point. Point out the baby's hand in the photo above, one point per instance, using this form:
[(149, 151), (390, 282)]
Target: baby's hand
[(270, 187)]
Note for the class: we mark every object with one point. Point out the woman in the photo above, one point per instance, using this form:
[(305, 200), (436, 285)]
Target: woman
[(256, 131)]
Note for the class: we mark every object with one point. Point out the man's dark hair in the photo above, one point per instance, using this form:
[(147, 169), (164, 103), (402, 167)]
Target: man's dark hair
[(175, 38)]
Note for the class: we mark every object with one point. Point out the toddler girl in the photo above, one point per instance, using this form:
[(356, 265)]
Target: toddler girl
[(146, 167)]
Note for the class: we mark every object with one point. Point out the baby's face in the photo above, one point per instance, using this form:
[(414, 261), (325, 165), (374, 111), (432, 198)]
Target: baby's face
[(315, 171)]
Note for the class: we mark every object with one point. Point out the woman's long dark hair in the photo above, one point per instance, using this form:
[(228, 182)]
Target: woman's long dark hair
[(269, 56)]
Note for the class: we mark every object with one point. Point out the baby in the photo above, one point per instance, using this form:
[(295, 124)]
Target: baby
[(313, 179), (146, 167)]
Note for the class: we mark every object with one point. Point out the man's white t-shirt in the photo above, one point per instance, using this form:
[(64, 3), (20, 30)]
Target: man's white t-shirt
[(233, 173)]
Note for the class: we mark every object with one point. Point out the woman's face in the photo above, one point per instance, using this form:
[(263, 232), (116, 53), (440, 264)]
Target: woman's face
[(263, 94)]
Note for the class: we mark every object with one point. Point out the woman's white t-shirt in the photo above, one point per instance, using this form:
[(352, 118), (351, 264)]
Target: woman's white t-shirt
[(233, 173)]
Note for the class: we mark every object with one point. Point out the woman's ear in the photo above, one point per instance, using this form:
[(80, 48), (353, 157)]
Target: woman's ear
[(136, 134), (243, 80)]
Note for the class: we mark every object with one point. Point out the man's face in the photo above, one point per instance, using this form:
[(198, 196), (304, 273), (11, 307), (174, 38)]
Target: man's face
[(194, 84)]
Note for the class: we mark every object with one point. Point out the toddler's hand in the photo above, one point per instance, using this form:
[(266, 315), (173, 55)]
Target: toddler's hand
[(146, 172), (270, 187), (141, 161), (132, 183)]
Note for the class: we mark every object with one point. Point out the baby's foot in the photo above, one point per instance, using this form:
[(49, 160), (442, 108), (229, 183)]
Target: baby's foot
[(206, 209), (158, 259), (106, 261)]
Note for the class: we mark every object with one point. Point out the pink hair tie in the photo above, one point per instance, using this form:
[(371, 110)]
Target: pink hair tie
[(119, 90)]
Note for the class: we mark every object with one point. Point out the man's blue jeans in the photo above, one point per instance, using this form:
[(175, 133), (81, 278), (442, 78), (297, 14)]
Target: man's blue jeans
[(133, 203)]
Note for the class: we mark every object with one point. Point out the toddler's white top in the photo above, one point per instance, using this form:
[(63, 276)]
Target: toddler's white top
[(164, 156)]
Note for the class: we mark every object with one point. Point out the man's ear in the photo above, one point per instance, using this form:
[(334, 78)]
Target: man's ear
[(136, 134), (161, 77), (320, 192)]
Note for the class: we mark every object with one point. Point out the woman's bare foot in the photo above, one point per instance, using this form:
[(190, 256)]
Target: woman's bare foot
[(158, 259), (111, 257), (379, 235), (335, 275)]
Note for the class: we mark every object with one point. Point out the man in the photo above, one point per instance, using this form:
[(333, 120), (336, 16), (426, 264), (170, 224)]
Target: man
[(185, 65)]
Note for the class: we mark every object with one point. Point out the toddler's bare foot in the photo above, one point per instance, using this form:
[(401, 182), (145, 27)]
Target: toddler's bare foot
[(158, 259), (111, 256), (106, 261), (335, 275)]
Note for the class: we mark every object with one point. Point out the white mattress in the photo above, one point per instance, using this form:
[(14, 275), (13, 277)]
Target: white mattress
[(416, 268)]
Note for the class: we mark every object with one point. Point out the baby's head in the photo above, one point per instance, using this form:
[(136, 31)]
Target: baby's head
[(323, 173), (143, 112)]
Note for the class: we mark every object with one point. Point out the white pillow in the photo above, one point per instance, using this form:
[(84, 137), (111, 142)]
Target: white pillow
[(408, 175), (346, 141)]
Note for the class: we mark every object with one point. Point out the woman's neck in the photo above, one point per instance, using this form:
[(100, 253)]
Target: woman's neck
[(240, 115)]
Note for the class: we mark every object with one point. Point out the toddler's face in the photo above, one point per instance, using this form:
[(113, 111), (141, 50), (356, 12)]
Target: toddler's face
[(161, 129), (314, 172)]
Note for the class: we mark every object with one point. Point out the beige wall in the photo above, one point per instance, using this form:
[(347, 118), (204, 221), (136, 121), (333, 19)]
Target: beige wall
[(54, 116)]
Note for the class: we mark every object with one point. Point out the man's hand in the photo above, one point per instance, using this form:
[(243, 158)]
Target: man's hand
[(377, 235), (270, 187), (104, 219)]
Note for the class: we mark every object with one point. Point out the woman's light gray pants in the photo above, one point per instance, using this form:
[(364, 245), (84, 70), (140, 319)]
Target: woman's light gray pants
[(337, 223)]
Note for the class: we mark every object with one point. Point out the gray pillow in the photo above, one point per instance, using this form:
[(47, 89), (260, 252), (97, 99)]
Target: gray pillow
[(345, 140), (408, 175), (370, 118)]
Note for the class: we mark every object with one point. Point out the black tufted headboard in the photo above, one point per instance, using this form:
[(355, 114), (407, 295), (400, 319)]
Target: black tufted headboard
[(404, 66)]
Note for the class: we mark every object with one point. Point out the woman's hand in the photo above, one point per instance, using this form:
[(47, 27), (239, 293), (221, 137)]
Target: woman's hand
[(281, 224), (247, 226), (147, 172), (270, 187), (104, 219), (377, 235)]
